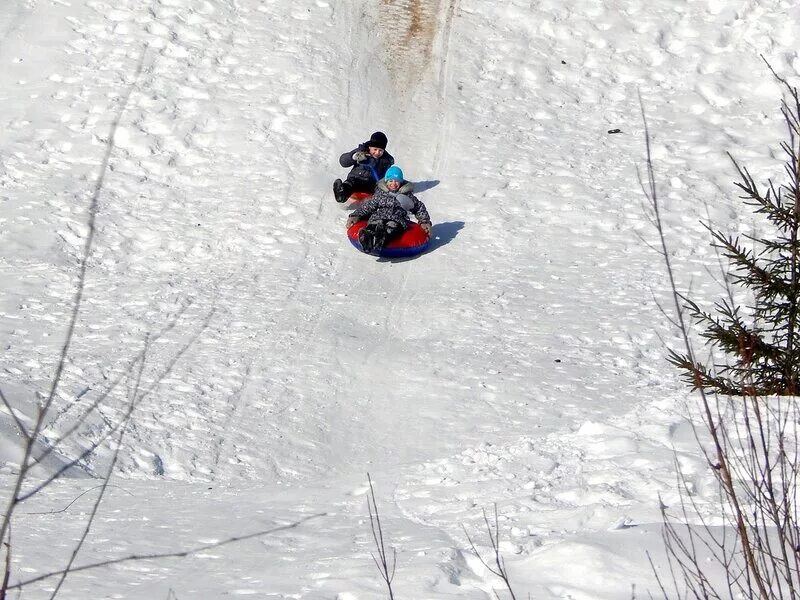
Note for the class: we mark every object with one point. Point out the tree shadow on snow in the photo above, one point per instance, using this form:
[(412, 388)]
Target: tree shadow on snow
[(422, 186), (441, 235)]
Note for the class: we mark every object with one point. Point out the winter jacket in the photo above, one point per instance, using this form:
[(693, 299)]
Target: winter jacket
[(385, 206), (370, 170)]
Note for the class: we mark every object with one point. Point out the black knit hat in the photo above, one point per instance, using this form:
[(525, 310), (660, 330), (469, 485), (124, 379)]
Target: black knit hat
[(377, 140)]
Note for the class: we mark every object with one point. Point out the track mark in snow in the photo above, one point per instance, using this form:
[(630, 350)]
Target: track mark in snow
[(409, 39), (446, 28), (416, 49)]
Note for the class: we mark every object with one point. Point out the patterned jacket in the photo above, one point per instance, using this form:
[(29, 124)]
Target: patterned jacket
[(388, 206), (370, 170)]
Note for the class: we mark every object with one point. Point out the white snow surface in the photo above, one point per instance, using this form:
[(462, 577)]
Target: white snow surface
[(519, 362)]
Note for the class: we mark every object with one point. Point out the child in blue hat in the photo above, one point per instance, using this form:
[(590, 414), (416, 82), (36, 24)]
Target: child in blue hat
[(369, 162), (387, 212)]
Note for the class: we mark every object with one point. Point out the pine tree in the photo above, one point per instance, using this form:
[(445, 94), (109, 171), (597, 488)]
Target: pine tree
[(762, 344)]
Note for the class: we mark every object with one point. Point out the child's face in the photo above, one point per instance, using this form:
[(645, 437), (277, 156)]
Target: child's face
[(376, 152), (393, 184)]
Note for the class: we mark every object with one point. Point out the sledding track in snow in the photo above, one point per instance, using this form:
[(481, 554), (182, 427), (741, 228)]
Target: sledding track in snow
[(410, 28), (415, 51)]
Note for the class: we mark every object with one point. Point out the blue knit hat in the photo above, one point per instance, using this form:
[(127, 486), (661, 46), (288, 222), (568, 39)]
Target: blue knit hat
[(394, 172)]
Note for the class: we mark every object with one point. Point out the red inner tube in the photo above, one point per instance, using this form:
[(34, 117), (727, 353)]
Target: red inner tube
[(412, 241)]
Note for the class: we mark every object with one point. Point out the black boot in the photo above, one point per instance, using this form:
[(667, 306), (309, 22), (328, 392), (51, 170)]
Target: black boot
[(372, 238), (341, 190), (393, 230), (366, 239)]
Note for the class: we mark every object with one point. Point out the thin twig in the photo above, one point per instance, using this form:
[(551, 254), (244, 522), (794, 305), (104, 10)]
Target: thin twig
[(6, 568), (93, 514), (499, 569), (387, 574), (93, 407), (20, 425), (78, 497), (114, 428), (156, 556)]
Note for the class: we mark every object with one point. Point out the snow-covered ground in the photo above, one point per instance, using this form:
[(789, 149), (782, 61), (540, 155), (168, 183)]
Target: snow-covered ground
[(520, 361)]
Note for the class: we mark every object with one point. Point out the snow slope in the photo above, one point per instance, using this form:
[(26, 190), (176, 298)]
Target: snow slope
[(519, 362)]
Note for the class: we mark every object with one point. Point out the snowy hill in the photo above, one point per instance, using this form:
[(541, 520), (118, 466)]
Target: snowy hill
[(520, 361)]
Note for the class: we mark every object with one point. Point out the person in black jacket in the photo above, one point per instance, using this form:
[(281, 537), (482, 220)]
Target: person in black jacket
[(369, 162)]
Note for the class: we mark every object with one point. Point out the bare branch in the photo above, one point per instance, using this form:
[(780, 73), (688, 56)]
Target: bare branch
[(156, 556), (114, 428), (20, 425), (387, 573), (92, 408), (45, 406), (6, 568), (74, 500), (125, 422), (499, 568)]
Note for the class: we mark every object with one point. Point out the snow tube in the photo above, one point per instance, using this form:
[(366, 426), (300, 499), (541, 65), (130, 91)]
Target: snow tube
[(413, 241), (359, 196)]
